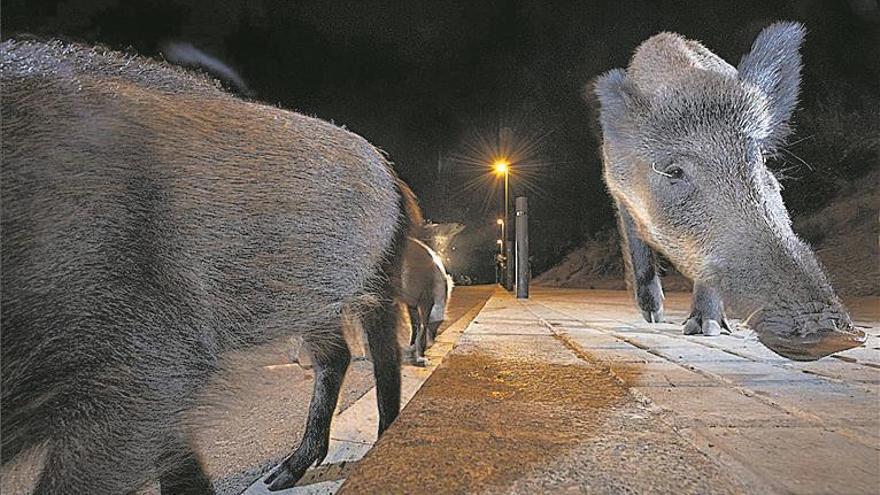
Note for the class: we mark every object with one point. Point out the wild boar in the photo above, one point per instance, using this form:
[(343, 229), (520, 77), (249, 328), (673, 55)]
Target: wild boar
[(685, 139), (152, 222), (425, 290)]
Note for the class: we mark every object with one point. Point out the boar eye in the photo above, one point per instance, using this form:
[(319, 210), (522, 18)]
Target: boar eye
[(672, 171)]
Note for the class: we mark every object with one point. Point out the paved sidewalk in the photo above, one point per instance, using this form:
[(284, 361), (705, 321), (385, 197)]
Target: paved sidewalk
[(570, 392)]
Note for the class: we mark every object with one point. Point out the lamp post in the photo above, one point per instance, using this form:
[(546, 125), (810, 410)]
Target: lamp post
[(500, 222), (498, 261), (502, 167)]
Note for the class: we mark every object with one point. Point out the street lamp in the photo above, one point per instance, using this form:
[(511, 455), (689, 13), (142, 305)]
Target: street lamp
[(502, 167), (500, 222)]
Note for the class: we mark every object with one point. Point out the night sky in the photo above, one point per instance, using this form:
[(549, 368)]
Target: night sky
[(436, 83)]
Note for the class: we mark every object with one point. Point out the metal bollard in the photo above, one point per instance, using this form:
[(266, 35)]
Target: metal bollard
[(509, 274), (522, 248)]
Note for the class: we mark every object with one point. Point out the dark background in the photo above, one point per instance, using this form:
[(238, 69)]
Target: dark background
[(436, 83)]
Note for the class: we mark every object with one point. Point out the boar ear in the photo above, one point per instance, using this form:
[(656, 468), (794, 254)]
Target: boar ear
[(774, 66), (618, 102)]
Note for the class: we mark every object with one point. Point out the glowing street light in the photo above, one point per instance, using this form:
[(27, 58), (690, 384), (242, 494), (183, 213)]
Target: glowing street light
[(502, 167)]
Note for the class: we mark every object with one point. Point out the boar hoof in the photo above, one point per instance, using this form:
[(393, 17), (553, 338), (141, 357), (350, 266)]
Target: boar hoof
[(649, 298), (411, 356), (294, 467), (653, 316), (710, 328)]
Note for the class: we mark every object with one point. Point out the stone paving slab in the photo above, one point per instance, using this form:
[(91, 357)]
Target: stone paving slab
[(801, 460), (839, 369), (716, 406), (826, 400), (658, 374), (744, 372)]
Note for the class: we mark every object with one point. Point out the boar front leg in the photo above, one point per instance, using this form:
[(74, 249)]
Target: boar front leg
[(641, 268), (707, 312), (330, 358)]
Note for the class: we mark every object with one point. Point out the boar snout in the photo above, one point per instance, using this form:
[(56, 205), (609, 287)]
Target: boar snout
[(807, 333)]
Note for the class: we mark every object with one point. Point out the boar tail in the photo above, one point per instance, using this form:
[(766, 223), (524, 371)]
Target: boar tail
[(411, 213)]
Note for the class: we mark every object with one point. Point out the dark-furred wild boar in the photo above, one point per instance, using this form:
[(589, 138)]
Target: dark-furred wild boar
[(152, 222)]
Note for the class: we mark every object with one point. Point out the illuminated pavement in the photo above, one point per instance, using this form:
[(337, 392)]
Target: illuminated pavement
[(570, 392)]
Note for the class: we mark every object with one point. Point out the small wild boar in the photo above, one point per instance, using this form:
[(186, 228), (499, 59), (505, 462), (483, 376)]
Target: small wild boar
[(425, 290), (685, 139), (151, 222)]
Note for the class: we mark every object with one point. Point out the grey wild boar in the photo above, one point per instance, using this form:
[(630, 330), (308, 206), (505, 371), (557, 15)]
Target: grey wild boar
[(685, 139), (151, 222), (425, 290)]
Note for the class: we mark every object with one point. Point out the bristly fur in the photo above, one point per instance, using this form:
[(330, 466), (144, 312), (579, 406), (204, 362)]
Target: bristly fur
[(151, 222), (668, 72), (774, 66)]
